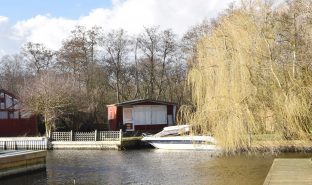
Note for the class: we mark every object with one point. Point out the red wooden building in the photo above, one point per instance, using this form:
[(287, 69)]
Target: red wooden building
[(13, 121), (145, 115)]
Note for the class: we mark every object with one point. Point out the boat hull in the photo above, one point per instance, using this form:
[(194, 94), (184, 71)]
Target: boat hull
[(183, 146), (182, 142)]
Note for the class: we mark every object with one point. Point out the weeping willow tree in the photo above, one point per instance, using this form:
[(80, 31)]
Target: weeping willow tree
[(237, 83)]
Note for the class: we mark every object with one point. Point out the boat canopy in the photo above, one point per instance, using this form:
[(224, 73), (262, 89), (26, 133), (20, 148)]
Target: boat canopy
[(174, 130)]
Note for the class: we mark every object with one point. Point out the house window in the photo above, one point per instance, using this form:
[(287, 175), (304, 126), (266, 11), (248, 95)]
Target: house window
[(170, 120), (8, 101), (150, 114), (14, 115), (159, 114), (3, 115), (142, 115), (2, 105)]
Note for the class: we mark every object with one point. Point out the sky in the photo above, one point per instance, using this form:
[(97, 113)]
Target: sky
[(50, 21)]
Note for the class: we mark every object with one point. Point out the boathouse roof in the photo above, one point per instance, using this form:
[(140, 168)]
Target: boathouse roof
[(144, 101)]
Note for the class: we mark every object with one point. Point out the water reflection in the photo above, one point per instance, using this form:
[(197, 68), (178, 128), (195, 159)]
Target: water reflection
[(149, 167), (37, 177)]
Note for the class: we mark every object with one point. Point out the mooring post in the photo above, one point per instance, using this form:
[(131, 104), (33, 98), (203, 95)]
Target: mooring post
[(95, 135)]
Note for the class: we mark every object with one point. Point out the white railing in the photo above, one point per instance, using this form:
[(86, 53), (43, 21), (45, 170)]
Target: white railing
[(110, 136), (23, 143), (61, 136), (87, 136), (84, 136)]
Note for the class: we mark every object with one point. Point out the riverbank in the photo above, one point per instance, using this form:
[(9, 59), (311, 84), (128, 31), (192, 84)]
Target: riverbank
[(274, 143), (282, 146)]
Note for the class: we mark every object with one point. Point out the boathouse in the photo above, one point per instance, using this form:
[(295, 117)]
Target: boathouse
[(13, 121), (144, 115)]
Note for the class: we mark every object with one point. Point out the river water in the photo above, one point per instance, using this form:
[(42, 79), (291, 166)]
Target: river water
[(149, 167)]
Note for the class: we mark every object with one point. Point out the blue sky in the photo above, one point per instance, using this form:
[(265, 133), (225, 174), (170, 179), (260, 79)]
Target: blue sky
[(50, 21), (24, 9)]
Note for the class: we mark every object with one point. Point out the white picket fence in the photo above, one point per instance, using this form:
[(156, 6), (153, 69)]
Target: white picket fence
[(96, 139), (87, 136), (23, 143), (61, 136)]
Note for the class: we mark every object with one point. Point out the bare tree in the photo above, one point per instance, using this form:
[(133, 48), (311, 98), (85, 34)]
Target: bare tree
[(190, 39), (117, 47), (52, 96), (167, 48), (12, 72), (38, 56), (73, 56), (148, 42)]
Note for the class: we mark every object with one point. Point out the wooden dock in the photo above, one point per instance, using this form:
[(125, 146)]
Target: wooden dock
[(290, 172), (16, 162)]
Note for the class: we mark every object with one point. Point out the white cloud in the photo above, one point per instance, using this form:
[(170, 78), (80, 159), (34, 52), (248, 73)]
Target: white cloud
[(44, 29), (7, 45), (3, 19), (131, 15)]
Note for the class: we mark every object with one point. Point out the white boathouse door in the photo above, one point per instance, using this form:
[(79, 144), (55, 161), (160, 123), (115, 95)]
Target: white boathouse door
[(128, 119)]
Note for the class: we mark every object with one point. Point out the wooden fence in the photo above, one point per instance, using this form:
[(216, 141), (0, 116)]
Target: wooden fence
[(23, 143), (87, 136)]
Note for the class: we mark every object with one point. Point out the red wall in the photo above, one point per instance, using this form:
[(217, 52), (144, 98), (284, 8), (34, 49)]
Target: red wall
[(112, 118), (18, 127)]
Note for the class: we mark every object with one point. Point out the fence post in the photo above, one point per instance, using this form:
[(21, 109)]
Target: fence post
[(71, 135), (120, 135), (50, 135), (95, 135)]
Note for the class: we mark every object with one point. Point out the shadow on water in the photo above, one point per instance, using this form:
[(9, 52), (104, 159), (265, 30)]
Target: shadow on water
[(36, 177), (150, 167)]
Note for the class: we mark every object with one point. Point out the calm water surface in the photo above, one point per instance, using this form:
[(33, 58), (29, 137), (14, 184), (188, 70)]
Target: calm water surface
[(149, 167)]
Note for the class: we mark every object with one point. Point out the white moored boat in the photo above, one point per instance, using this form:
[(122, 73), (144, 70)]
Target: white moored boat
[(174, 137)]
